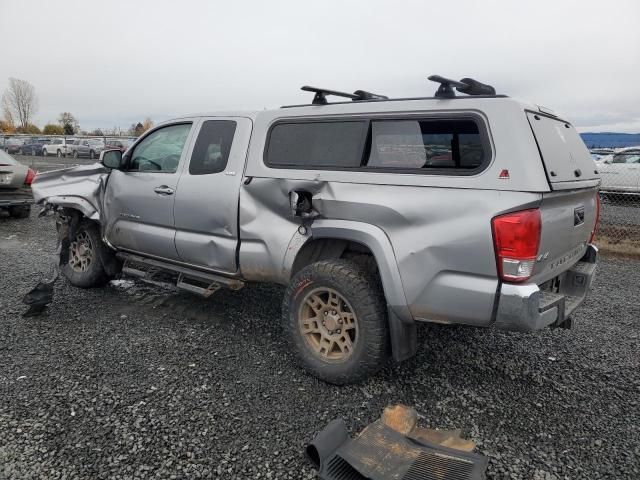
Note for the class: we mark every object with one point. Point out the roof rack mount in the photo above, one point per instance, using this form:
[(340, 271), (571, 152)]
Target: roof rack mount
[(320, 97), (465, 85)]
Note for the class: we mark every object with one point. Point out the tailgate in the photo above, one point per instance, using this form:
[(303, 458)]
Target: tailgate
[(565, 156), (568, 219)]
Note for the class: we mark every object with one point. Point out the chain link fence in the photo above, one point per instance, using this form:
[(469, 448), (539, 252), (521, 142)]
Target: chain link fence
[(619, 231)]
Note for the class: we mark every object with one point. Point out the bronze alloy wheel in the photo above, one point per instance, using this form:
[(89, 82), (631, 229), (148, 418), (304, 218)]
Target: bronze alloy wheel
[(328, 324), (81, 252)]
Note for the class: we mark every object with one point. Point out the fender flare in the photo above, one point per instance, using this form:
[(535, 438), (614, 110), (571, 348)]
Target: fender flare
[(402, 327)]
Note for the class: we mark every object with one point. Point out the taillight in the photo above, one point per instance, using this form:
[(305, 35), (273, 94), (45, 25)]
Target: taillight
[(516, 238), (597, 222), (30, 176)]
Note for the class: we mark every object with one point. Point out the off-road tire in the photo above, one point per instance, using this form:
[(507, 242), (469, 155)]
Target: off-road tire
[(20, 211), (94, 275), (364, 294)]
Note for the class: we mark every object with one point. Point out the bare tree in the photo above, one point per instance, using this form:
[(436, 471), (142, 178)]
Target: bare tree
[(147, 124), (20, 101)]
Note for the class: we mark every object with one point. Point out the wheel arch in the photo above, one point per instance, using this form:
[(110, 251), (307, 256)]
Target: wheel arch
[(332, 239)]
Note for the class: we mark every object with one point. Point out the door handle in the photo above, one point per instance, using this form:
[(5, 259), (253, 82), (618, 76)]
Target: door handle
[(163, 190)]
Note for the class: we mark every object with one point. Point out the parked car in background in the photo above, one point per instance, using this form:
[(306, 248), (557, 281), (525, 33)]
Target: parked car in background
[(121, 144), (12, 145), (87, 147), (60, 147), (15, 186), (600, 154), (34, 146), (621, 171)]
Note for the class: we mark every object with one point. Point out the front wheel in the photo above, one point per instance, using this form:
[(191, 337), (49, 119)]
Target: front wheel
[(92, 154), (334, 315), (84, 268), (59, 154), (75, 154), (44, 153)]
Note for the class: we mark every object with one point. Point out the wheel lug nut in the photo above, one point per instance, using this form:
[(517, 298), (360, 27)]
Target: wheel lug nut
[(326, 313), (340, 321), (338, 331)]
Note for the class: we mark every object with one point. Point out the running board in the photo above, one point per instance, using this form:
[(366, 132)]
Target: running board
[(191, 280)]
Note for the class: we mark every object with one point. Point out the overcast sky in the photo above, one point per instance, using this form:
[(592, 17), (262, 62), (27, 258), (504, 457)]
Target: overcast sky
[(115, 62)]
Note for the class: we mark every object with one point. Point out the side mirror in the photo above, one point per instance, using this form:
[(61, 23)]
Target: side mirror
[(111, 159)]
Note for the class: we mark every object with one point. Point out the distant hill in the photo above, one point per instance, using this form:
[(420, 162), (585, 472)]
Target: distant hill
[(610, 140)]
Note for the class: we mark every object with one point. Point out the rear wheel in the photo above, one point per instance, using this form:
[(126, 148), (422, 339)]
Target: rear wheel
[(59, 154), (92, 154), (84, 268), (335, 318), (44, 153), (75, 154), (20, 211)]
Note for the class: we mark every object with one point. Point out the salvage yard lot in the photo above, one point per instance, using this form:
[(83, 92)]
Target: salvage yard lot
[(136, 381)]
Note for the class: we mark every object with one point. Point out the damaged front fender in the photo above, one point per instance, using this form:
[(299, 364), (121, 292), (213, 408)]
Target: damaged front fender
[(80, 188)]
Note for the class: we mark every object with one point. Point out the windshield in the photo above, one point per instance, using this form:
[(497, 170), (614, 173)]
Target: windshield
[(627, 158)]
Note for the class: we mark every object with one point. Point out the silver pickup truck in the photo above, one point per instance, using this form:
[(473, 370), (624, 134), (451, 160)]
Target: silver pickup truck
[(376, 213)]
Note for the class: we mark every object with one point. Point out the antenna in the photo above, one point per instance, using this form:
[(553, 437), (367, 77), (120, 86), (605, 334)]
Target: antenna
[(320, 97)]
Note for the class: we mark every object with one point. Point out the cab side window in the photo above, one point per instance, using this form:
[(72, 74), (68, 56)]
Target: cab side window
[(211, 151), (161, 150)]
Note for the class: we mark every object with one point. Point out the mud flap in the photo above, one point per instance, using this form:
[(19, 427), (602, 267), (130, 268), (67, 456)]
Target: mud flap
[(404, 337), (394, 448)]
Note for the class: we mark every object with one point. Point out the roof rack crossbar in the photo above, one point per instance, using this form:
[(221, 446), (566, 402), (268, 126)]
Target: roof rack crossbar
[(466, 85), (320, 97)]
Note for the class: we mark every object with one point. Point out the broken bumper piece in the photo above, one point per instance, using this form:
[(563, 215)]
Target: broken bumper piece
[(394, 448)]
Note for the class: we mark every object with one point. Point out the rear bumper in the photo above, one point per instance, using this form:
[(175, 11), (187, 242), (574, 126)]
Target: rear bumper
[(527, 307), (15, 198)]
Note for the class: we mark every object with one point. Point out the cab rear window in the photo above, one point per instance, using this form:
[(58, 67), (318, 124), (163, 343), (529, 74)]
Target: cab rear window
[(411, 145)]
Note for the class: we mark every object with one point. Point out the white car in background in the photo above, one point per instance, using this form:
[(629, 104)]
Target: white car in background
[(60, 147), (621, 171)]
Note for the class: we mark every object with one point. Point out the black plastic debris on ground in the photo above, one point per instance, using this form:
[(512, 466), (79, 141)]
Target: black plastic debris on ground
[(40, 296), (403, 452)]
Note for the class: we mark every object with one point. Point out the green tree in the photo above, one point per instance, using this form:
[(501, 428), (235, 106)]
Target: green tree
[(68, 123), (52, 129), (30, 128)]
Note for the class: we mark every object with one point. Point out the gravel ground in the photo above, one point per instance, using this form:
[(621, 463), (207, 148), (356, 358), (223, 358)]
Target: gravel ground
[(132, 381)]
